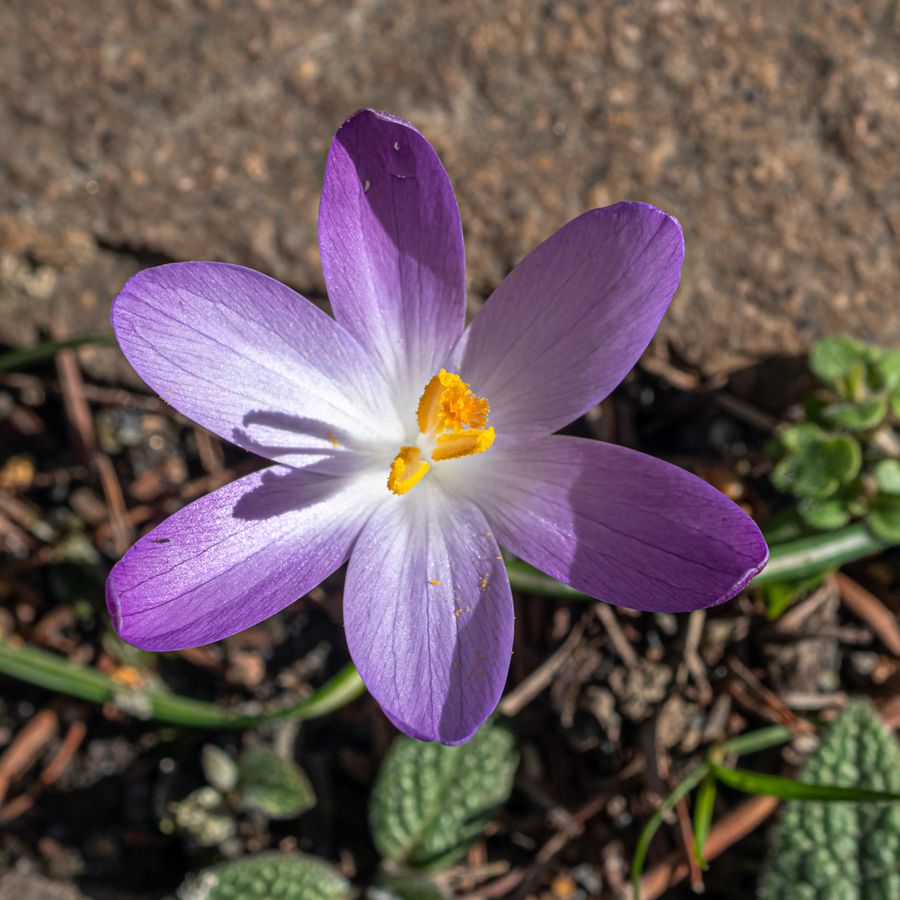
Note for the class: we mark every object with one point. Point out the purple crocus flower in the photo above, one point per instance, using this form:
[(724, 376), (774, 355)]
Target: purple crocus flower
[(416, 447)]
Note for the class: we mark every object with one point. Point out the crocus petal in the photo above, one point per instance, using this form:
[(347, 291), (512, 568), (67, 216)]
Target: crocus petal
[(253, 361), (568, 323), (236, 556), (428, 614), (619, 525), (392, 249)]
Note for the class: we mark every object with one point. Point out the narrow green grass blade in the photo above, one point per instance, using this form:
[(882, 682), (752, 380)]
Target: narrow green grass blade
[(754, 741), (18, 359), (55, 673), (787, 789), (690, 781), (792, 559), (703, 813)]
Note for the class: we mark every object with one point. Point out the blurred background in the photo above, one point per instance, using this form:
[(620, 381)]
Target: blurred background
[(136, 133)]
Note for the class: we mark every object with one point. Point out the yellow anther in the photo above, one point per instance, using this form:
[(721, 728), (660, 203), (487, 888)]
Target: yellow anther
[(448, 404), (466, 443), (452, 423), (407, 470)]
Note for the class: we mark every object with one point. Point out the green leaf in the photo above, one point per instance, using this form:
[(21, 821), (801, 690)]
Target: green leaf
[(20, 359), (825, 515), (799, 437), (273, 785), (818, 465), (819, 553), (56, 673), (430, 802), (758, 783), (888, 367), (203, 815), (884, 517), (779, 595), (887, 476), (834, 358), (682, 789), (842, 850), (895, 403), (266, 876), (703, 813), (408, 887), (220, 769), (862, 415)]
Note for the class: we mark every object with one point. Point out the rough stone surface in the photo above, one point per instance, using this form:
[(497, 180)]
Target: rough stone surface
[(131, 133)]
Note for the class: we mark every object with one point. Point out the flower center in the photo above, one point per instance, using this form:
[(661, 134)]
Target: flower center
[(451, 422)]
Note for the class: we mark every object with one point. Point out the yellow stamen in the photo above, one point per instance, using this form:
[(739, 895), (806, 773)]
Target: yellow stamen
[(407, 470), (466, 443), (448, 404)]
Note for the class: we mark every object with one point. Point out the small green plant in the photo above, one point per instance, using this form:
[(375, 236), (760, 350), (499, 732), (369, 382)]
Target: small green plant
[(429, 804), (818, 786), (268, 875), (843, 461), (260, 782), (849, 851)]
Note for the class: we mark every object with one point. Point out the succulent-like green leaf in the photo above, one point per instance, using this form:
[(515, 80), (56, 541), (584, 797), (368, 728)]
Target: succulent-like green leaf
[(273, 785), (779, 595), (861, 415), (884, 517), (267, 876), (817, 464), (834, 358), (842, 851), (827, 514), (888, 367), (887, 476), (798, 437), (203, 816), (431, 801), (408, 887), (220, 769)]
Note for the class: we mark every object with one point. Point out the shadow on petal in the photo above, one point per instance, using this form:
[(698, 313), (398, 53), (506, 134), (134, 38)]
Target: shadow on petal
[(319, 446)]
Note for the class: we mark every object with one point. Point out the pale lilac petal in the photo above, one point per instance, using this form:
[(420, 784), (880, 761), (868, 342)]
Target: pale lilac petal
[(568, 323), (254, 362), (236, 556), (428, 614), (619, 525), (391, 244)]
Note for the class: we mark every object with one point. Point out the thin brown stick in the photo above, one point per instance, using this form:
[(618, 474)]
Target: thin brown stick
[(731, 828), (51, 773), (77, 410), (614, 632), (120, 527), (866, 606), (524, 692), (26, 747), (770, 700)]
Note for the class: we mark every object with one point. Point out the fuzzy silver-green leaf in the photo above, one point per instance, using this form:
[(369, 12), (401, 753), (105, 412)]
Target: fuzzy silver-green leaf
[(430, 802), (842, 851), (272, 785), (266, 876)]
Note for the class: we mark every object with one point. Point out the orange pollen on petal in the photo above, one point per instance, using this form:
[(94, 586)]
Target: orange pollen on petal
[(407, 470), (448, 404)]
